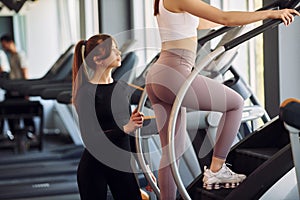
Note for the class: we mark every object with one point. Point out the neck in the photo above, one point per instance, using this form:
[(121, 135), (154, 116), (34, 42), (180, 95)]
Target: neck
[(102, 77)]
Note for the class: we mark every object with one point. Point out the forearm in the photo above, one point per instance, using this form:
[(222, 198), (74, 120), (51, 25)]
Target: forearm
[(237, 18), (126, 129), (215, 15), (233, 18), (25, 73), (135, 122)]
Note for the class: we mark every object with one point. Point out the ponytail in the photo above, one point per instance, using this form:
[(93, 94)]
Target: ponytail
[(156, 7), (78, 77)]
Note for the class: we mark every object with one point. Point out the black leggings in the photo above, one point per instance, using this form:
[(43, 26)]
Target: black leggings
[(93, 178)]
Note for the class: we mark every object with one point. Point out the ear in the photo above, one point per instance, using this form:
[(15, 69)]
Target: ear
[(97, 60)]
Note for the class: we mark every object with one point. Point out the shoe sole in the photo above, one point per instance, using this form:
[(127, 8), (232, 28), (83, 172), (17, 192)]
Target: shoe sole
[(217, 186)]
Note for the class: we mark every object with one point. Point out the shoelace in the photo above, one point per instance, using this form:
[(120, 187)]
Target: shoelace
[(227, 169)]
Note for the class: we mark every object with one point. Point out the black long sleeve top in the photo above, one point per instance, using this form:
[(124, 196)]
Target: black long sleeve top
[(110, 103)]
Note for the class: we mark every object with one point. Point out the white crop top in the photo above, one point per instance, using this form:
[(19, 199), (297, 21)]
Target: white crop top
[(176, 26)]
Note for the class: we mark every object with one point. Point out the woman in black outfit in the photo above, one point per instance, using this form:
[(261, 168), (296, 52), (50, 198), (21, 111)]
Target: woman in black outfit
[(106, 121)]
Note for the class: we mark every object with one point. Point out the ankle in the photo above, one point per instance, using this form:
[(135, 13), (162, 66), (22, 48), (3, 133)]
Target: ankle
[(215, 169), (216, 164)]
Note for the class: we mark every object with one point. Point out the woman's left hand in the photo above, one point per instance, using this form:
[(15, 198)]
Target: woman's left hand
[(135, 122)]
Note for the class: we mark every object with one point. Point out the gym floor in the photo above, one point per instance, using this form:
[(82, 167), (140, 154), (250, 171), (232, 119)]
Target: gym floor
[(50, 142)]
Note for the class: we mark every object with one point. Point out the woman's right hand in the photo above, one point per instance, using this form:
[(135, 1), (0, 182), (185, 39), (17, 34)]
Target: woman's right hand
[(136, 121), (286, 15)]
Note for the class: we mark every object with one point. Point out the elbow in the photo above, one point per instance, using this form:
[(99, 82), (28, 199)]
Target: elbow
[(226, 20)]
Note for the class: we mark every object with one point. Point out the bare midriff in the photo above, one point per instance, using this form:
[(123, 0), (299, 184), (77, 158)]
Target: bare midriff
[(186, 43)]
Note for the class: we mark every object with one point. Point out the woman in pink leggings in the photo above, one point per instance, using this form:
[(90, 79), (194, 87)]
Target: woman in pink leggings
[(178, 21)]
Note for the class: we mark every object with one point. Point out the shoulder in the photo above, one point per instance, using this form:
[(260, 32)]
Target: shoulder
[(2, 55), (122, 84), (22, 58), (21, 54), (172, 5), (86, 92), (123, 89)]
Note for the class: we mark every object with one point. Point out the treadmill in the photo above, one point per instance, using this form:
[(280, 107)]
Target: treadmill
[(59, 71)]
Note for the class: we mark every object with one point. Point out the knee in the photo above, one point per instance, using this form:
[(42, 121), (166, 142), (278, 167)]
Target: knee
[(235, 102), (239, 102)]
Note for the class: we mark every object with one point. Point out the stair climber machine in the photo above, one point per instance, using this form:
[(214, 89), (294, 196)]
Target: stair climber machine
[(208, 120), (264, 155)]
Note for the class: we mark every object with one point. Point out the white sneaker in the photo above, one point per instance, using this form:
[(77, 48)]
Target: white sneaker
[(223, 178)]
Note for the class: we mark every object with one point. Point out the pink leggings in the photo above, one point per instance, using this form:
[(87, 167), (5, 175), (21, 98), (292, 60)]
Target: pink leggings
[(163, 81)]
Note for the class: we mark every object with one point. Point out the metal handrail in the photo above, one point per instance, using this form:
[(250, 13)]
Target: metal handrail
[(174, 114), (140, 155)]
